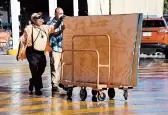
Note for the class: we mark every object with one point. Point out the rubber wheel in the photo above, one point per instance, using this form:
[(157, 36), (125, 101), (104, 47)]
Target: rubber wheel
[(101, 96), (83, 94), (111, 93), (94, 92), (69, 93), (125, 94), (94, 98)]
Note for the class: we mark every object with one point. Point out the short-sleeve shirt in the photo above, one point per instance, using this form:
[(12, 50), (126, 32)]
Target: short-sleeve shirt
[(55, 41), (40, 36)]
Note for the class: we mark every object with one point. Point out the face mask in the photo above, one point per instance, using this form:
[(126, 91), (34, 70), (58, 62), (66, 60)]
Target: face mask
[(60, 15)]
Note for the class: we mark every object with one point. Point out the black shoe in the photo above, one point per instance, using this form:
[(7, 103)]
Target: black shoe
[(64, 87), (55, 89), (38, 92), (30, 85), (61, 85)]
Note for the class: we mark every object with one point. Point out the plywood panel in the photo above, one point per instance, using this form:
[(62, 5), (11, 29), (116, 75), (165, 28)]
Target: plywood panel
[(123, 32), (135, 68)]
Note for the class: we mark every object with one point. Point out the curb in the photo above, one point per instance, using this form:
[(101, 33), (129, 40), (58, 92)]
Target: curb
[(12, 52)]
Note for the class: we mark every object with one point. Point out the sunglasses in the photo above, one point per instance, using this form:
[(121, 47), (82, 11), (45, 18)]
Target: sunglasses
[(39, 17)]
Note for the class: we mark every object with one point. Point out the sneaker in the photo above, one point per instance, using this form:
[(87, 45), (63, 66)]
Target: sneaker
[(55, 89), (38, 92), (30, 85)]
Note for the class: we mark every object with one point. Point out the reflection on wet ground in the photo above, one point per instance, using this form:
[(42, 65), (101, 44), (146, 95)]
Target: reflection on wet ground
[(149, 97)]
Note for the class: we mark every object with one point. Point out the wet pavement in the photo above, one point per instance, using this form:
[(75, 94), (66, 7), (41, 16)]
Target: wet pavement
[(150, 97)]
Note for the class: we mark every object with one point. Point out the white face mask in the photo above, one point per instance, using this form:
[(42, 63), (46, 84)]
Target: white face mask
[(60, 15)]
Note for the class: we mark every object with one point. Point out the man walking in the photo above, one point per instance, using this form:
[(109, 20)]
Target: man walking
[(35, 37), (56, 49)]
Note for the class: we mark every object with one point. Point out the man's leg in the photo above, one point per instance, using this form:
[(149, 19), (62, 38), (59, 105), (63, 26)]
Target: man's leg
[(33, 65), (55, 58), (40, 71)]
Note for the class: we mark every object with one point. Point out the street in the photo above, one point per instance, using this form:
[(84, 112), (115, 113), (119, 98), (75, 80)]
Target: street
[(148, 98)]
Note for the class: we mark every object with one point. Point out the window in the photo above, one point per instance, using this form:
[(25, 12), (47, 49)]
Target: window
[(153, 23), (166, 20)]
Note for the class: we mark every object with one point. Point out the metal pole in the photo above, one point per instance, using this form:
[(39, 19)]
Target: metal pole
[(15, 12)]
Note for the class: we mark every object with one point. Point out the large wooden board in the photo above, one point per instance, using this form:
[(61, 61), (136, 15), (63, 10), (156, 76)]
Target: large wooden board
[(124, 31)]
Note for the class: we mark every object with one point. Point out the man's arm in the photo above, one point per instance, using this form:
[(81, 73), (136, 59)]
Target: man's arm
[(51, 28), (59, 21), (22, 41), (58, 33)]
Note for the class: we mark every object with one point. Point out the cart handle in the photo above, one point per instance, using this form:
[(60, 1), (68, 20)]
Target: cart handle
[(84, 50), (109, 52)]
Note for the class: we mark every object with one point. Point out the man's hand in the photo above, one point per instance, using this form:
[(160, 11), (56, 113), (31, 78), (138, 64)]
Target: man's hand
[(62, 27)]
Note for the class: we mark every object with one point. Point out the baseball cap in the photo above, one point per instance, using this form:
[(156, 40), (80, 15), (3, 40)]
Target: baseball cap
[(35, 15)]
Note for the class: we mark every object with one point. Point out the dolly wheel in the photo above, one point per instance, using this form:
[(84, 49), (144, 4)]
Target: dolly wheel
[(94, 92), (83, 94), (111, 93), (125, 94), (101, 96), (69, 93)]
